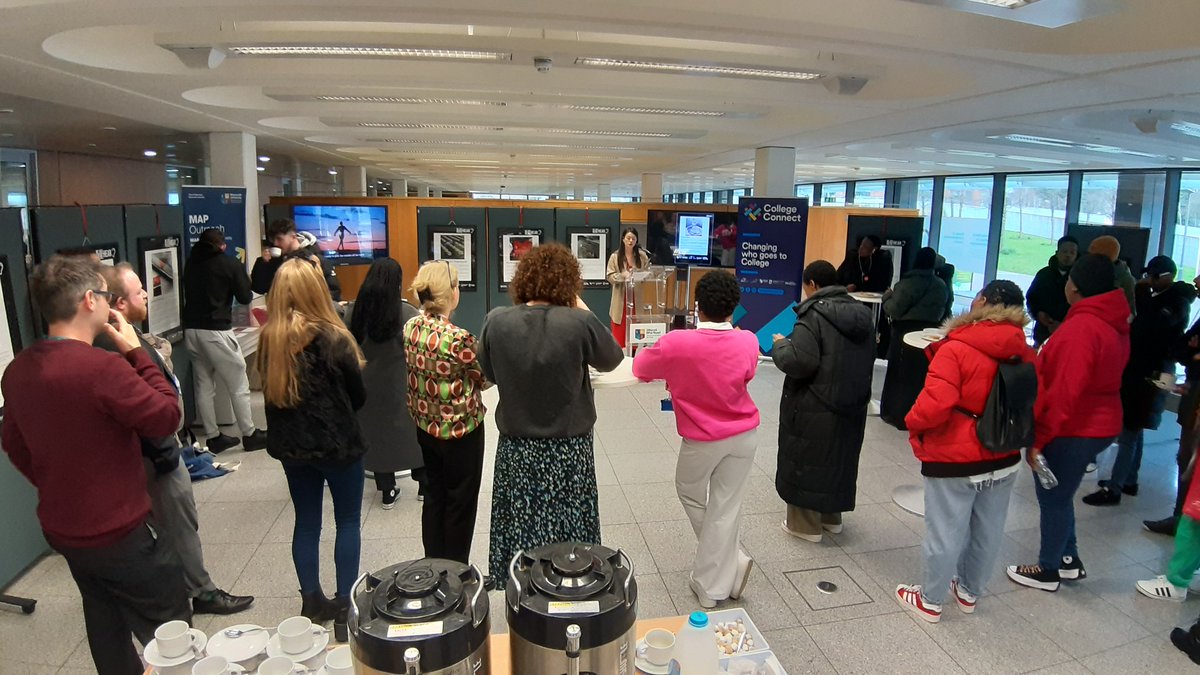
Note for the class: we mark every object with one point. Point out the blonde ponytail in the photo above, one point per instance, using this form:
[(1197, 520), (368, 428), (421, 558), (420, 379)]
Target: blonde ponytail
[(433, 287)]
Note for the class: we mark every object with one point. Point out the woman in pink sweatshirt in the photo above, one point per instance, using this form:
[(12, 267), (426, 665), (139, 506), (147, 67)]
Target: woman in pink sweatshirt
[(706, 372)]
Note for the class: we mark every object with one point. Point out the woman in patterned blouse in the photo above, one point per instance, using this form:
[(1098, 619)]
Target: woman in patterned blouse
[(444, 383)]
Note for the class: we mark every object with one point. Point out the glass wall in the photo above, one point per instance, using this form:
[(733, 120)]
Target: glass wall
[(966, 218), (805, 191), (1098, 200), (18, 178), (1186, 250), (1035, 216), (833, 194), (870, 193)]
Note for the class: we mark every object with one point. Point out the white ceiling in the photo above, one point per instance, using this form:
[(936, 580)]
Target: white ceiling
[(1059, 84)]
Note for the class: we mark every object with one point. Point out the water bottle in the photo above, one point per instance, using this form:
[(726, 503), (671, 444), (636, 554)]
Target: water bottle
[(695, 648), (1044, 474)]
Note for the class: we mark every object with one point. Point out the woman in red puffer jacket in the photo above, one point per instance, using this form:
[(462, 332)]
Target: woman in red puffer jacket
[(967, 486)]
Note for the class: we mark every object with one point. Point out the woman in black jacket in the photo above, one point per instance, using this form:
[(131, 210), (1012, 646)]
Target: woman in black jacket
[(312, 385), (823, 411)]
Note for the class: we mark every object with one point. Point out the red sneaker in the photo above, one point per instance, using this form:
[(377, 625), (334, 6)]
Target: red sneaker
[(909, 598), (966, 601)]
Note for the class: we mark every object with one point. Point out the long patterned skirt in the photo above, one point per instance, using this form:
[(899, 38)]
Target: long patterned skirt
[(544, 491)]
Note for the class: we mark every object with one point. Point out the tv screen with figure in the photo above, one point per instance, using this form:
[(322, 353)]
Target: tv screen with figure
[(346, 234), (692, 237)]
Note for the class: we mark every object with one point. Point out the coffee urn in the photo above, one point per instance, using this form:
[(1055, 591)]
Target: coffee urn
[(422, 617), (572, 608)]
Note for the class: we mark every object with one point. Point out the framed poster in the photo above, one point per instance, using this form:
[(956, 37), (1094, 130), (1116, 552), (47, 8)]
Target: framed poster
[(162, 279), (590, 246), (456, 244), (10, 340), (514, 243), (107, 253)]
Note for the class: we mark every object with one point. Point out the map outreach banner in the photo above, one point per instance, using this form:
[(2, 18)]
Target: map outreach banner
[(771, 234), (224, 208)]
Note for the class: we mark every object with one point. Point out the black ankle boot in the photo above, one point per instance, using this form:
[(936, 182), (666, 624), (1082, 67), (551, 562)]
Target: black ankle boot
[(341, 614), (316, 607), (1188, 641)]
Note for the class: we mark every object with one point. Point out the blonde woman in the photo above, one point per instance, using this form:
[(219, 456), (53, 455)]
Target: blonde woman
[(444, 383), (312, 370)]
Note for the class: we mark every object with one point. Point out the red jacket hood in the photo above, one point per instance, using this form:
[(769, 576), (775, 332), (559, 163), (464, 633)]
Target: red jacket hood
[(1111, 308), (997, 331)]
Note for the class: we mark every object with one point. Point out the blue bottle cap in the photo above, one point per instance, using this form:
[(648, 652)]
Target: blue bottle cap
[(698, 620)]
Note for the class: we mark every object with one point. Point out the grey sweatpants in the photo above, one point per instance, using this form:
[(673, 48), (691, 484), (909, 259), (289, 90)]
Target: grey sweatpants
[(964, 530), (216, 355), (173, 507)]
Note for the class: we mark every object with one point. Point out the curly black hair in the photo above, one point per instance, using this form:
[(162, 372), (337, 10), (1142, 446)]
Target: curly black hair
[(718, 294)]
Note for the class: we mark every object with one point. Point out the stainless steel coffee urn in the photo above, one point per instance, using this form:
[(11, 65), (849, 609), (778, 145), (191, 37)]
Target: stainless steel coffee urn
[(572, 608), (423, 617)]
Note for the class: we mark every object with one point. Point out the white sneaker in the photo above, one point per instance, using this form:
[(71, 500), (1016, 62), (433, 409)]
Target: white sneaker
[(966, 601), (832, 529), (1091, 468), (1195, 585), (744, 565), (814, 538), (701, 597), (1161, 589)]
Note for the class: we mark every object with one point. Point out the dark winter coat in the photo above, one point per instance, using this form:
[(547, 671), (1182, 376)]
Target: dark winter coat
[(262, 275), (919, 296), (1047, 293), (322, 428), (823, 410), (211, 282), (387, 426), (1156, 328), (867, 275)]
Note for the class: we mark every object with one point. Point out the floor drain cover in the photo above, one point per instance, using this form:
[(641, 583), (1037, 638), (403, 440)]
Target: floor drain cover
[(827, 587)]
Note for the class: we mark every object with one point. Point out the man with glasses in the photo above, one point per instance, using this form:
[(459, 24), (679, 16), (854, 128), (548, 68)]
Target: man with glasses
[(73, 420), (168, 480)]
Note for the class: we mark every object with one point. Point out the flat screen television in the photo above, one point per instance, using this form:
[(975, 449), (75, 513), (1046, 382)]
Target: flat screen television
[(346, 234), (700, 237)]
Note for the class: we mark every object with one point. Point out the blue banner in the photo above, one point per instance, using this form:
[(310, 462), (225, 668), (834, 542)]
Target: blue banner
[(770, 260), (224, 208)]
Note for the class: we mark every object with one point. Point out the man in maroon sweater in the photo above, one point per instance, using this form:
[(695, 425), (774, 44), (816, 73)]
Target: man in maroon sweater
[(73, 417)]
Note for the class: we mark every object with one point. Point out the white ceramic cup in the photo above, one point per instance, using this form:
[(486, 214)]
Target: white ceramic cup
[(339, 662), (277, 665), (296, 635), (275, 251), (659, 646), (1167, 378), (174, 639), (217, 665)]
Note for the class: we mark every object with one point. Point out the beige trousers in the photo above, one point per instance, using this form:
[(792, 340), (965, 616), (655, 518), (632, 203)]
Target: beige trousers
[(807, 521)]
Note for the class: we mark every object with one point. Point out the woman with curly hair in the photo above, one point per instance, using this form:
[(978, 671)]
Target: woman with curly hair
[(537, 352)]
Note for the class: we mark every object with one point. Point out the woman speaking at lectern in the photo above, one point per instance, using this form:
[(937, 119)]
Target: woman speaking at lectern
[(623, 262)]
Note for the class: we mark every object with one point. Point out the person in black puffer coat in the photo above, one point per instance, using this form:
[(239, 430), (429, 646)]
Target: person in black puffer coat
[(828, 363)]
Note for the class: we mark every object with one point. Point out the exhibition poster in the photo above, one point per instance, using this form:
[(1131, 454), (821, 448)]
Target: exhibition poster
[(455, 244), (160, 276), (770, 261), (224, 208), (590, 246), (513, 245), (10, 341)]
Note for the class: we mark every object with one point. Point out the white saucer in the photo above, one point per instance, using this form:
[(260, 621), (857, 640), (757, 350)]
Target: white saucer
[(320, 642), (238, 649), (645, 666), (159, 661)]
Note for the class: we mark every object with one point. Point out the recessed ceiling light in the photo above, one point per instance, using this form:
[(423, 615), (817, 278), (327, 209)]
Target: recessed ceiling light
[(698, 69), (1006, 4), (90, 145), (8, 134), (150, 153), (368, 51), (260, 168), (108, 128), (264, 158), (6, 111), (333, 172)]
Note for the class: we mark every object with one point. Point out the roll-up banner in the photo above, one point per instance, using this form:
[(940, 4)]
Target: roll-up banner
[(770, 260), (224, 208)]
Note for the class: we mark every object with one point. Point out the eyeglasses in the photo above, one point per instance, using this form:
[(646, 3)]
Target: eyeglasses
[(108, 296)]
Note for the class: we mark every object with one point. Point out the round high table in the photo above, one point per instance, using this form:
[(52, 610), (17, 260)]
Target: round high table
[(621, 376), (911, 498)]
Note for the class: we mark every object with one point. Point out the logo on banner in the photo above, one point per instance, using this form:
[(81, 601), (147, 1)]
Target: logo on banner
[(753, 212)]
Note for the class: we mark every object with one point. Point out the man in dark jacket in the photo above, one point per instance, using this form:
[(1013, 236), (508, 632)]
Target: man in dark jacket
[(823, 412), (1046, 297), (867, 268), (1163, 306), (291, 244), (211, 282)]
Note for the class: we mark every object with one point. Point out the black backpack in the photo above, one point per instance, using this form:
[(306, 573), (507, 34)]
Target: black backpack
[(1006, 423)]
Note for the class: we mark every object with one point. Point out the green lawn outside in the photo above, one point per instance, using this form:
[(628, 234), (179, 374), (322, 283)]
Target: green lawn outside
[(1023, 253)]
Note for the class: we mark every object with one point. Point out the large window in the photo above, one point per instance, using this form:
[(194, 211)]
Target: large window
[(966, 213), (1035, 216), (1186, 251), (805, 191), (1098, 201), (870, 193), (18, 173), (833, 194), (917, 193)]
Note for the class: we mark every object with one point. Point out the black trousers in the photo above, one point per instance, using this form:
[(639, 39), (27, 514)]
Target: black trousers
[(132, 586), (386, 480), (453, 473)]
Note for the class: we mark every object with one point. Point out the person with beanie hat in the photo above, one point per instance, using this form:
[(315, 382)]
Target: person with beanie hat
[(1078, 411), (1110, 248)]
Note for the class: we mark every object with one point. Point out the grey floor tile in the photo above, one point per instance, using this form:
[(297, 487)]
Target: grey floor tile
[(1154, 654), (239, 522), (761, 497), (876, 484), (71, 670), (625, 419), (761, 600), (654, 600), (273, 574), (827, 587), (911, 521), (252, 485), (764, 538), (1116, 587), (1065, 668), (48, 578), (47, 637), (613, 506), (797, 652), (881, 644), (633, 441), (1023, 514), (648, 467), (616, 399), (893, 566), (604, 471), (653, 502), (881, 601), (1078, 621), (34, 668), (404, 520), (629, 539), (1012, 645), (870, 527), (672, 543), (225, 562)]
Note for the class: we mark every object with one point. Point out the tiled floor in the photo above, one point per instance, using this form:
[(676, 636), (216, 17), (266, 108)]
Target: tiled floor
[(1099, 625)]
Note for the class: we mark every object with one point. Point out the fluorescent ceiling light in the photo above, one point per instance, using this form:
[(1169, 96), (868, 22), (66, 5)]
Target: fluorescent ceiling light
[(150, 153), (1035, 140), (260, 168), (264, 158), (426, 125), (1035, 160), (368, 51), (601, 132), (476, 127), (699, 69), (970, 153), (645, 111), (1007, 4), (407, 100), (1187, 128)]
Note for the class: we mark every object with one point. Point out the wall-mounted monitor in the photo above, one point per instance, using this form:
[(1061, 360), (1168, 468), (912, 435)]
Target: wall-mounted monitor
[(347, 235), (704, 238)]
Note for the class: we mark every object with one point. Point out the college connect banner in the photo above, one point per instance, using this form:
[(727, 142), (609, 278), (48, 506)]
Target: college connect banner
[(770, 260), (224, 208)]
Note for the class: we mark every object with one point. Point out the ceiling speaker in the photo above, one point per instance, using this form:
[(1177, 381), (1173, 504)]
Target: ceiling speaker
[(844, 85)]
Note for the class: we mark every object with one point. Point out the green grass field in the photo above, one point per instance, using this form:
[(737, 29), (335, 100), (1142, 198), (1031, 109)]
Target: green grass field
[(1023, 253)]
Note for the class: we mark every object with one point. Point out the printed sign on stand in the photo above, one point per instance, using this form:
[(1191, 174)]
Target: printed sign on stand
[(590, 246), (514, 244), (770, 261), (207, 206), (161, 278)]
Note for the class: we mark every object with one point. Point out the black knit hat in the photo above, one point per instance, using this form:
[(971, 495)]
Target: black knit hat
[(1003, 292), (1094, 274)]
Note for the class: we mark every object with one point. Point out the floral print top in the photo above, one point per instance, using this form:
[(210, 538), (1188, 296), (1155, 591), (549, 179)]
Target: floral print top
[(444, 377)]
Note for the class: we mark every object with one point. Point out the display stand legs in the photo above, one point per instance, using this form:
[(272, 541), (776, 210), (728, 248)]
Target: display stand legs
[(27, 606)]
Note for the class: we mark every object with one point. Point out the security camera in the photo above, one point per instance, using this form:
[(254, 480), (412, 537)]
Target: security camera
[(543, 63)]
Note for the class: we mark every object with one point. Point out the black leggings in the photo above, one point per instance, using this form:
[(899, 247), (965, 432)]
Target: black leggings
[(386, 480)]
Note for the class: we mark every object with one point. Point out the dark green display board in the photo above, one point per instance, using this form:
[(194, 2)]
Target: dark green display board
[(433, 223), (597, 296), (59, 227), (511, 222)]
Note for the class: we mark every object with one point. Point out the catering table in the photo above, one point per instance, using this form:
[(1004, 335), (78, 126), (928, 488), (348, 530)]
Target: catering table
[(621, 376), (911, 498)]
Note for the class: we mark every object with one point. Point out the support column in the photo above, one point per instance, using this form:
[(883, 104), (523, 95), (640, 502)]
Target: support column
[(604, 192), (652, 187), (578, 195), (423, 191), (774, 172), (298, 181), (436, 192), (354, 181), (233, 160), (400, 187)]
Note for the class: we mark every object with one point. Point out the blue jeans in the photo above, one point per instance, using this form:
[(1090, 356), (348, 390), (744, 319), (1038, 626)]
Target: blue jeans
[(964, 530), (1128, 461), (306, 483), (1068, 459)]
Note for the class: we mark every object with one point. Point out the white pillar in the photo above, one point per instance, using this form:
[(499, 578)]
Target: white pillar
[(578, 196), (774, 172), (423, 191), (354, 181), (436, 192), (652, 187), (298, 181), (604, 192), (233, 159), (400, 187)]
